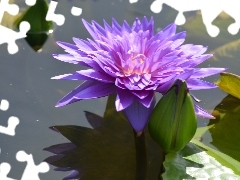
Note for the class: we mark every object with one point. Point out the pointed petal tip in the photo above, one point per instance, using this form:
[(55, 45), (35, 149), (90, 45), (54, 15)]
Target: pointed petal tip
[(83, 20), (60, 104), (55, 77), (202, 113)]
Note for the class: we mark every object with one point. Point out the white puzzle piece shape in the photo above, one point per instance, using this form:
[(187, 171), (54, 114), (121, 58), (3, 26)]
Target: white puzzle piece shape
[(4, 170), (31, 171), (8, 35), (4, 105), (209, 9), (59, 19), (10, 129), (12, 121)]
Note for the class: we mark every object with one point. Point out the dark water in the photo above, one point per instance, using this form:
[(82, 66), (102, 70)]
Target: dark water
[(25, 78)]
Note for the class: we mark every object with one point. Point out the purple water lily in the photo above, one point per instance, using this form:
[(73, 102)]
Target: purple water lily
[(134, 63)]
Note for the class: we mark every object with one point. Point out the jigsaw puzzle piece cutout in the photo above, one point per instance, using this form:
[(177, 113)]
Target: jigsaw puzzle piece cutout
[(133, 1), (9, 36), (4, 105), (4, 170), (12, 9), (31, 171), (30, 2), (10, 129), (51, 16), (76, 11)]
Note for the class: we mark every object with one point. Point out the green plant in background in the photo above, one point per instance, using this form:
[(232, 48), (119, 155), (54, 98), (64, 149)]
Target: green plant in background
[(40, 28)]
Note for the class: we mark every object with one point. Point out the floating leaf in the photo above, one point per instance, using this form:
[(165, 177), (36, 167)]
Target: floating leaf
[(225, 135), (192, 162), (229, 83), (222, 158)]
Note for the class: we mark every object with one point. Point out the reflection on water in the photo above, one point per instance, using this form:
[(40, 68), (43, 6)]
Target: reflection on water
[(225, 133), (107, 151)]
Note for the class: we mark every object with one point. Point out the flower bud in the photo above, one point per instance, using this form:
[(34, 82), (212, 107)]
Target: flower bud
[(173, 122)]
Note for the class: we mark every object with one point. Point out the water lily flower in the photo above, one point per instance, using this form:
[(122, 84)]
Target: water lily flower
[(134, 63)]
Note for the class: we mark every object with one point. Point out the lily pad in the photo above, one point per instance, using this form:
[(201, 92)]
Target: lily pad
[(194, 163), (229, 83), (225, 135)]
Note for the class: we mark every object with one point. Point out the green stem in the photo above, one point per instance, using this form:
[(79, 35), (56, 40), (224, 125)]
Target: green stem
[(141, 157)]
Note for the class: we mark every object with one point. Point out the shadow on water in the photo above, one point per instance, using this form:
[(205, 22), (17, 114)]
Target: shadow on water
[(109, 150), (225, 133)]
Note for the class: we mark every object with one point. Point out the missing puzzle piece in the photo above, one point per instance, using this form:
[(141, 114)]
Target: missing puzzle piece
[(4, 170), (12, 121), (10, 129), (8, 35), (31, 171)]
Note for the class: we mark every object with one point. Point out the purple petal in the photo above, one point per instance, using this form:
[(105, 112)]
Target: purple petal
[(196, 84), (90, 29), (88, 74), (83, 45), (196, 60), (73, 76), (195, 98), (138, 114), (170, 30), (180, 35), (147, 100), (73, 175), (106, 26), (66, 58), (124, 99), (87, 90), (204, 72), (126, 27), (96, 75), (141, 94), (115, 24), (200, 112), (99, 28), (167, 32), (97, 89), (67, 46), (165, 87)]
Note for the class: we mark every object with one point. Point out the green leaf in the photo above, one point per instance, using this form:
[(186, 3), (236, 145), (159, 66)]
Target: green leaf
[(229, 83), (36, 16), (222, 158), (224, 133), (192, 162)]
